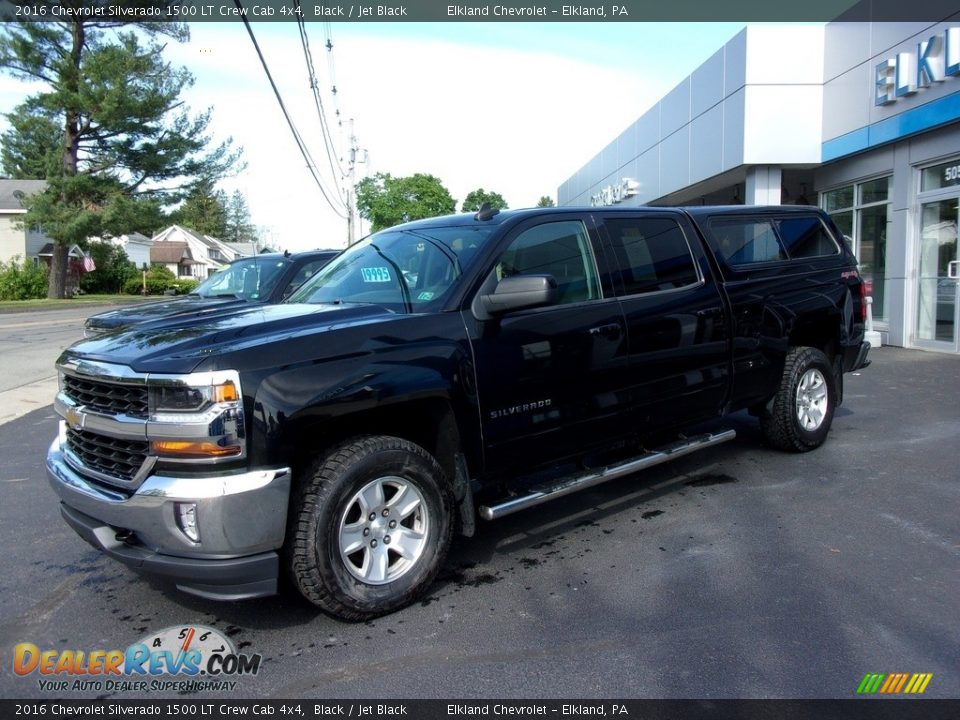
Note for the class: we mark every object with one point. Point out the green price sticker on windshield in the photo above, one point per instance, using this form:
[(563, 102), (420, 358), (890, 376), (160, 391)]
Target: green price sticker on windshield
[(375, 274)]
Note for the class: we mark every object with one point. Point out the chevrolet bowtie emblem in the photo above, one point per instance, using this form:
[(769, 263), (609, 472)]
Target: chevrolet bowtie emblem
[(73, 417)]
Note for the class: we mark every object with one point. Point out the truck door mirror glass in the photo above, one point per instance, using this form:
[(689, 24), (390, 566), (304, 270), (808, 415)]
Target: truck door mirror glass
[(521, 292)]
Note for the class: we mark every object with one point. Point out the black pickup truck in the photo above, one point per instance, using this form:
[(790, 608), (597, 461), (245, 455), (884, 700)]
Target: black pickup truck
[(442, 370)]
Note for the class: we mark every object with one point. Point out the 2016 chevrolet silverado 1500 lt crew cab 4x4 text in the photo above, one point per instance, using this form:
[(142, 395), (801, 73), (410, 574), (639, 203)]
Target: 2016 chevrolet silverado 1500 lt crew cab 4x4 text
[(440, 370)]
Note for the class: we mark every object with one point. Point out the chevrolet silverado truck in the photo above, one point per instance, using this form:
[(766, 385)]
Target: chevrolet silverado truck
[(444, 370)]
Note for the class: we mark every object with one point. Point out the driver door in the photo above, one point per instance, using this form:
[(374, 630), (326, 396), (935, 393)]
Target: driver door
[(550, 379)]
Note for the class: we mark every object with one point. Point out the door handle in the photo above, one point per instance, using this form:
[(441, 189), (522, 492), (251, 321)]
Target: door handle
[(609, 330), (710, 312)]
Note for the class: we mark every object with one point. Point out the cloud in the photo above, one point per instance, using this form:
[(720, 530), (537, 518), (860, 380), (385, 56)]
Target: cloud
[(513, 121), (515, 108)]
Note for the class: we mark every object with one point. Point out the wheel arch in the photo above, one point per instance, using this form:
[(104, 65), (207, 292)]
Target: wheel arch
[(429, 422)]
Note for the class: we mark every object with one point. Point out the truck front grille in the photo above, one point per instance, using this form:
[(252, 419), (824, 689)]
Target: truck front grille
[(107, 397), (117, 458)]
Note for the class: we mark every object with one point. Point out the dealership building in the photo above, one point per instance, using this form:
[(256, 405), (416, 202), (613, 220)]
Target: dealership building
[(860, 118)]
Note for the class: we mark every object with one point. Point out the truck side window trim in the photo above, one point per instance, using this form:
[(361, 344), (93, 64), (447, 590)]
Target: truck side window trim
[(653, 267)]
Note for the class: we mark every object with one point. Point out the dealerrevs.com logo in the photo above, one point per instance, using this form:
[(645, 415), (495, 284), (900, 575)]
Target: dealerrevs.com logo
[(180, 658), (894, 683)]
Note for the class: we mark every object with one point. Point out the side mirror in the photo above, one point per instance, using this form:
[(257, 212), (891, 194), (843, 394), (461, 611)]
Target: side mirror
[(521, 292)]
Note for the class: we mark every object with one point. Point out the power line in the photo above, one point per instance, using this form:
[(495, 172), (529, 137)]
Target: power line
[(311, 166), (315, 89)]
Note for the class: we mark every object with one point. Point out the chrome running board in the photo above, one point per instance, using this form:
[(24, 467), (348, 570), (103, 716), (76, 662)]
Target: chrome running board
[(572, 484)]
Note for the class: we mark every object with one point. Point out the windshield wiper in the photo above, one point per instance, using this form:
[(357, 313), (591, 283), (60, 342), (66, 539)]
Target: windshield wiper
[(404, 290)]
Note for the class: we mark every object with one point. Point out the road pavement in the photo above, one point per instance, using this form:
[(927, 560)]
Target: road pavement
[(30, 344), (735, 572)]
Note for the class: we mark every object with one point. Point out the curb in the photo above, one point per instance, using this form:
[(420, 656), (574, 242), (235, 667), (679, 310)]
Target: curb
[(20, 401)]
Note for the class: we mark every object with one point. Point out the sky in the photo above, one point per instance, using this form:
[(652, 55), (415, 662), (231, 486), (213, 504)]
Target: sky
[(514, 108)]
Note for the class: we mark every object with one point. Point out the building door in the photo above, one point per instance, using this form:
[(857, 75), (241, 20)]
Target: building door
[(938, 296)]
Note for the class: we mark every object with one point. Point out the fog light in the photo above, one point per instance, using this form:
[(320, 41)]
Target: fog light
[(187, 520)]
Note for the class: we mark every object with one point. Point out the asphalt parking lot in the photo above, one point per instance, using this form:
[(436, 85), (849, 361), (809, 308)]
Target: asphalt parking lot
[(736, 572)]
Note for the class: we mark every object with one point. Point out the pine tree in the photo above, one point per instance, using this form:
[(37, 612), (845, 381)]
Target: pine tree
[(121, 126)]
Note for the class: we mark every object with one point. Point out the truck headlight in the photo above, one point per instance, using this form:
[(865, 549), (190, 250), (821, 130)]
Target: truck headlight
[(183, 398), (196, 417)]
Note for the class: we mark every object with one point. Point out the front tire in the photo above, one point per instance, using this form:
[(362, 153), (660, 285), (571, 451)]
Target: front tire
[(800, 414), (370, 528)]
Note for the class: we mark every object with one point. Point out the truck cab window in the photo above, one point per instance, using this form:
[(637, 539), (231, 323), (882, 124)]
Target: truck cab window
[(745, 241), (561, 249), (653, 254), (806, 237)]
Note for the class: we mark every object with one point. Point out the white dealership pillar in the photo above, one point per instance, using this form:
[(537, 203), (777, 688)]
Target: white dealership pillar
[(763, 185)]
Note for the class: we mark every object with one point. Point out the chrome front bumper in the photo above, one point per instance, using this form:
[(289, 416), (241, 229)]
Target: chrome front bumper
[(241, 520)]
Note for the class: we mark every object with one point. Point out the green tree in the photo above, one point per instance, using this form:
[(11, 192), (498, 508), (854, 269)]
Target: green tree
[(475, 200), (386, 201), (22, 280), (113, 269), (121, 125), (157, 280), (239, 228), (127, 214), (546, 201), (204, 210), (31, 148)]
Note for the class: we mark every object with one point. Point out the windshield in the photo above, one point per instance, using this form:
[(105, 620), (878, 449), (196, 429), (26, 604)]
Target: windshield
[(248, 279), (400, 270)]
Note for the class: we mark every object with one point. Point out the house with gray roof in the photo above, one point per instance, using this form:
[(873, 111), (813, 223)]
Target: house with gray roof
[(17, 240), (207, 253), (176, 256)]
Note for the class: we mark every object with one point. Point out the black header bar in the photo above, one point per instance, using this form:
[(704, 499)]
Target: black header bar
[(476, 10), (207, 708)]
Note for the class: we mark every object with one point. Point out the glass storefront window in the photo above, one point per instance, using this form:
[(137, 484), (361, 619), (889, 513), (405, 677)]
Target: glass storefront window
[(838, 199), (862, 212), (938, 292), (940, 176), (873, 253), (874, 191), (844, 223)]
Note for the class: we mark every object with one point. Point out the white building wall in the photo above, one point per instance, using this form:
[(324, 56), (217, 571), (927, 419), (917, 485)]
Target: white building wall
[(850, 72), (757, 100), (11, 239), (138, 253)]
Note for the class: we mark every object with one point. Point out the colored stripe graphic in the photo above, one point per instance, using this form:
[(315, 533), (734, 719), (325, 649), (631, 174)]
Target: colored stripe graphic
[(918, 683), (870, 683), (894, 683)]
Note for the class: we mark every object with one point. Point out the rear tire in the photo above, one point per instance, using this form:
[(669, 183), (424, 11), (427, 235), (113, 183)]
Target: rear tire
[(800, 414), (371, 527)]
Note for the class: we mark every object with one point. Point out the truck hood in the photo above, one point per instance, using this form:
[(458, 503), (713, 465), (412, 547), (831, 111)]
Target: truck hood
[(181, 346), (131, 315)]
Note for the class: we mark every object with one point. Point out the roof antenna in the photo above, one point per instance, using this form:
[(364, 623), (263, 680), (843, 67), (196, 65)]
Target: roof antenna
[(485, 212)]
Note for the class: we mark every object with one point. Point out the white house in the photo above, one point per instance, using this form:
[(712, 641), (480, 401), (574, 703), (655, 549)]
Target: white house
[(18, 242), (202, 265), (207, 254), (175, 255), (136, 246)]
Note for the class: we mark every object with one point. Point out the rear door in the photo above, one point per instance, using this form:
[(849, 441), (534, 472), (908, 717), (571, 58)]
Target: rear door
[(677, 326), (783, 275)]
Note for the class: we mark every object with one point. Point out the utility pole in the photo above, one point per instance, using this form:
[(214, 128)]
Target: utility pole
[(351, 183)]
